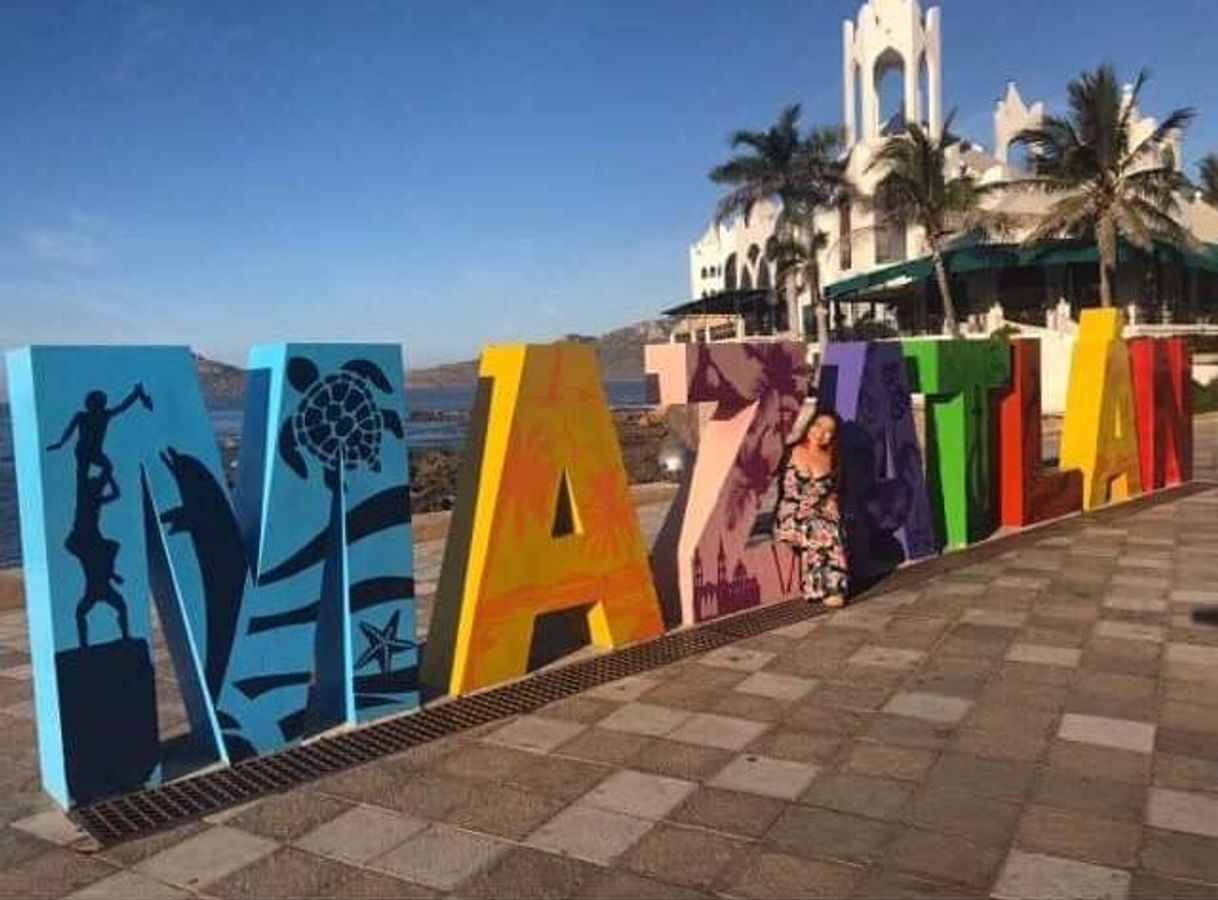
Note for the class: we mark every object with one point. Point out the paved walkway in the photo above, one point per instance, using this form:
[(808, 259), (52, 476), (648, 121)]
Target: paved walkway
[(1043, 723)]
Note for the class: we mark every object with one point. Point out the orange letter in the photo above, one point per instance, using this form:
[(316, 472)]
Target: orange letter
[(543, 522)]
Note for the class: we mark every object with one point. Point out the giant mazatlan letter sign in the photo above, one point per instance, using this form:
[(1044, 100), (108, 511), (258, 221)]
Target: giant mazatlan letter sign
[(288, 605), (883, 487), (756, 390), (543, 523), (285, 614)]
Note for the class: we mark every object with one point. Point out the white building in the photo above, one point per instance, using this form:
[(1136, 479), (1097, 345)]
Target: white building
[(878, 274)]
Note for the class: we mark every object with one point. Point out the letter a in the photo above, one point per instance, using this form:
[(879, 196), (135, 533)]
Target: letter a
[(1098, 434), (543, 523)]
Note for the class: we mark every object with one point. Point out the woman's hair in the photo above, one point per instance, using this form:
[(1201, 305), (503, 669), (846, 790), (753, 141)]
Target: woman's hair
[(801, 434)]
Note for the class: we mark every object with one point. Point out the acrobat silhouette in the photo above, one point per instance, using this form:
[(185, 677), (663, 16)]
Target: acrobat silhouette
[(91, 424), (96, 552)]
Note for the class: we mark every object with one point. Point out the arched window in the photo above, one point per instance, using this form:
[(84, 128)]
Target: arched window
[(889, 84), (845, 237), (754, 252), (704, 271), (889, 227), (763, 275), (746, 280), (856, 72), (924, 91), (729, 273)]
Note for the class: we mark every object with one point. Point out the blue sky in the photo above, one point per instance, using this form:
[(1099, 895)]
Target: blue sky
[(443, 174)]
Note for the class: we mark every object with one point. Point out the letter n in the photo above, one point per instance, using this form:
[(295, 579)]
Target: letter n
[(1163, 404)]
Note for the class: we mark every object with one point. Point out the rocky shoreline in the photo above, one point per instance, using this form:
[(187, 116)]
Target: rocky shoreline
[(643, 435)]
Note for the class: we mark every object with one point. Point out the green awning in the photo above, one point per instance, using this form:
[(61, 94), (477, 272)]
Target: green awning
[(982, 257)]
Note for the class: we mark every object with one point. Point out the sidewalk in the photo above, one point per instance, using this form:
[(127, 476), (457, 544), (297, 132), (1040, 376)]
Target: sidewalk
[(1044, 723)]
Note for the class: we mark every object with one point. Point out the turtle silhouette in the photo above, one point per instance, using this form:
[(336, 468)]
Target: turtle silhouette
[(338, 421)]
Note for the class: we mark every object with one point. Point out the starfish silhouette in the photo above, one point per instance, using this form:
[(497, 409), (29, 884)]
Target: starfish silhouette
[(383, 643)]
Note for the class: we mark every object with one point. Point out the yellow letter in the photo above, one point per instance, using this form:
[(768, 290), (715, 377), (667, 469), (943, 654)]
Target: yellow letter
[(543, 522), (1099, 435)]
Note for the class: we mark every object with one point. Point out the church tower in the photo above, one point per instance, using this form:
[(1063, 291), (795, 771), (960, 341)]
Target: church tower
[(891, 35)]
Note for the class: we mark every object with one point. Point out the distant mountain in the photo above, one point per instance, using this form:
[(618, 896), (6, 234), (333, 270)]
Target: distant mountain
[(620, 353), (220, 380)]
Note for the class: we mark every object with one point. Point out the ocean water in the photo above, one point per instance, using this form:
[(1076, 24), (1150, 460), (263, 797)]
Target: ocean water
[(422, 432)]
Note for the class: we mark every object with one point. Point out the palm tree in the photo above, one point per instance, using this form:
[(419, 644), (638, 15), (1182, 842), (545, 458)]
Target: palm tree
[(1108, 186), (802, 173), (916, 188), (1208, 169)]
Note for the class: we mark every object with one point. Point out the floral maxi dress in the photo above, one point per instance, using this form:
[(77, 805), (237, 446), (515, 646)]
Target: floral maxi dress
[(808, 516)]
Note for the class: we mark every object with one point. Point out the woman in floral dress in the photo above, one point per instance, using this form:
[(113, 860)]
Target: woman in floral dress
[(809, 516)]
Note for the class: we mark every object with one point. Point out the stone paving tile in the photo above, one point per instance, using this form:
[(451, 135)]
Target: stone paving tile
[(779, 875), (886, 657), (1121, 734), (360, 834), (817, 833), (1193, 813), (800, 746), (902, 763), (286, 873), (524, 872), (996, 618), (645, 719), (945, 858), (685, 761), (737, 659), (287, 816), (777, 687), (1053, 878), (557, 776), (876, 798), (779, 778), (589, 833), (1135, 604), (1130, 631), (732, 812), (990, 777), (882, 884), (683, 856), (53, 874), (624, 689), (535, 733), (505, 812), (1095, 795), (1178, 855), (722, 732), (1057, 832), (1185, 773), (986, 820), (206, 858), (1072, 757), (440, 857), (639, 794), (1154, 887), (600, 745), (127, 885), (1043, 655), (928, 707), (51, 826)]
